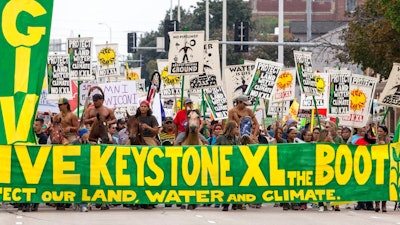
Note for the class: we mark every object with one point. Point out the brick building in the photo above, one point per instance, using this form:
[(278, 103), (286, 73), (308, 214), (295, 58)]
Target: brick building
[(322, 10)]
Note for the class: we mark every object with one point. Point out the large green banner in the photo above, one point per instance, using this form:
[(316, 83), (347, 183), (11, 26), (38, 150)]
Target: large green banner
[(199, 174), (24, 41)]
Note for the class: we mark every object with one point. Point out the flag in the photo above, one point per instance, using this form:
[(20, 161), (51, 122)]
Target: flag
[(25, 43)]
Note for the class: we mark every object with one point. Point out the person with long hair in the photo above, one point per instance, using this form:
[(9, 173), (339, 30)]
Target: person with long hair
[(230, 136), (216, 130), (148, 123), (382, 138)]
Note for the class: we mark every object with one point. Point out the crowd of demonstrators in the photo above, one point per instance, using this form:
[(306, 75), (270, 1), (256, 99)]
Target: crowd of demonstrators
[(241, 128)]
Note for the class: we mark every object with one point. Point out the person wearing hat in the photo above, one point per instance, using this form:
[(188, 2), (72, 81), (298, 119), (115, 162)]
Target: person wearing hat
[(289, 124), (180, 121), (69, 121), (99, 108), (240, 113)]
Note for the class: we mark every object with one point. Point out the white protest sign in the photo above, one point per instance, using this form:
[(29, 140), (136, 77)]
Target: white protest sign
[(80, 53), (211, 76), (59, 83), (362, 89), (390, 95), (186, 53), (107, 60)]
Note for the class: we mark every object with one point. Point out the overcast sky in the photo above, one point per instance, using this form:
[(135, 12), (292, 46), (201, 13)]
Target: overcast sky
[(82, 17)]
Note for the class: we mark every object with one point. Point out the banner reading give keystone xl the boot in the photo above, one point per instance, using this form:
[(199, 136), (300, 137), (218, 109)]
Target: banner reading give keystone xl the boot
[(24, 41)]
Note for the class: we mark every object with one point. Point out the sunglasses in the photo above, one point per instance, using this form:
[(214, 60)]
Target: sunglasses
[(168, 122), (61, 104)]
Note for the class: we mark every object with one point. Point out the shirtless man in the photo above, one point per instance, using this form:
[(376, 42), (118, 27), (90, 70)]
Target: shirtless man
[(240, 111), (69, 121), (105, 112)]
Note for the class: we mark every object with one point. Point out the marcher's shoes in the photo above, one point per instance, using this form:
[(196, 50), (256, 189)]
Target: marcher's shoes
[(225, 208)]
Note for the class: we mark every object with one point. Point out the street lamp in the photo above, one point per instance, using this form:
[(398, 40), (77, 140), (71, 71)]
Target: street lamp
[(109, 28)]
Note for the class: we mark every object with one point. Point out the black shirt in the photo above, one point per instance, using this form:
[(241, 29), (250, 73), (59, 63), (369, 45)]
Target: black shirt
[(42, 138)]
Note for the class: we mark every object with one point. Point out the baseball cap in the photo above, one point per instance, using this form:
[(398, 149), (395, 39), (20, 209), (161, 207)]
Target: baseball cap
[(244, 99), (187, 101), (62, 101), (168, 119), (97, 97)]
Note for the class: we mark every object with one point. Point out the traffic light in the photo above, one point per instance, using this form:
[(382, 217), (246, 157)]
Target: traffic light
[(132, 42), (241, 34), (169, 25)]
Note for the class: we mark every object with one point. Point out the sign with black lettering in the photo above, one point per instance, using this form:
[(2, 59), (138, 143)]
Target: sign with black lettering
[(391, 93), (80, 56), (211, 76), (339, 93), (305, 74), (59, 83), (217, 102), (236, 80), (322, 84), (263, 79), (186, 53), (107, 60)]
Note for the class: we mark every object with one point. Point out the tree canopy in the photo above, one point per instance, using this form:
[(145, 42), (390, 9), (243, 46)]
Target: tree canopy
[(372, 38), (194, 19)]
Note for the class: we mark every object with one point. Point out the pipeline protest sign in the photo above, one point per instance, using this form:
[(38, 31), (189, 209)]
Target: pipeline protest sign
[(199, 174), (24, 41), (59, 84), (186, 53), (171, 86), (391, 93), (322, 84), (80, 56), (278, 109), (285, 86), (263, 79), (339, 93), (211, 76), (305, 75), (236, 80), (107, 58), (217, 102), (362, 90)]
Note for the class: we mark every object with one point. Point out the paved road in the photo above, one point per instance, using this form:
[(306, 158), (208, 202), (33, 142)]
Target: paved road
[(202, 215)]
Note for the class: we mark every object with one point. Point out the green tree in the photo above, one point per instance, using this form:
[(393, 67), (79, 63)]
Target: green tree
[(370, 39)]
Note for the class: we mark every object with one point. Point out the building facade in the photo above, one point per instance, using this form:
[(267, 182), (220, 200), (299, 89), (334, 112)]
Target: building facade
[(321, 10)]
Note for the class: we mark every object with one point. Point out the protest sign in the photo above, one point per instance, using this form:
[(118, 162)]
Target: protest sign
[(339, 93), (171, 86), (263, 79), (236, 80), (186, 53), (285, 86), (217, 102), (322, 84), (107, 60), (59, 84), (390, 95), (305, 74), (211, 76), (80, 56), (362, 89)]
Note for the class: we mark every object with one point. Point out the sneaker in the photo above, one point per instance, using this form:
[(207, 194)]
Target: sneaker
[(328, 206), (84, 209), (321, 209)]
